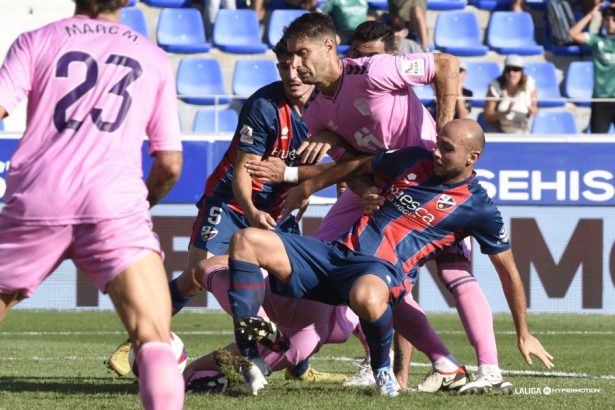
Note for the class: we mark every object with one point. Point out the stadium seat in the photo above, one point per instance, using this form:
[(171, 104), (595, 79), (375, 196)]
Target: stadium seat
[(378, 4), (343, 49), (181, 31), (579, 82), (425, 93), (280, 19), (135, 19), (238, 31), (250, 75), (168, 3), (446, 4), (458, 33), (547, 87), (612, 129), (206, 121), (491, 5), (536, 4), (480, 74), (131, 3), (199, 80), (576, 50), (512, 33), (554, 122)]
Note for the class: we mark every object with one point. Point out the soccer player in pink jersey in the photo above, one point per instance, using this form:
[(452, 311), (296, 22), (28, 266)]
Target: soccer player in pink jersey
[(75, 190)]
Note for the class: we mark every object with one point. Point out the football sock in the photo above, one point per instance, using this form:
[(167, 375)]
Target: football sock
[(412, 323), (161, 384), (300, 368), (473, 309), (379, 334), (246, 295), (446, 364), (178, 301), (217, 282), (491, 370)]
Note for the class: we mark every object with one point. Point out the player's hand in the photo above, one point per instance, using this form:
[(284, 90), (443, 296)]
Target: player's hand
[(372, 200), (529, 345), (269, 170), (315, 149), (261, 219), (295, 198)]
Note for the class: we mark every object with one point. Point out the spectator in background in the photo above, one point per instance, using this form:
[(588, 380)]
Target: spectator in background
[(259, 6), (463, 105), (516, 98), (404, 45), (603, 57), (211, 8), (346, 15), (414, 11)]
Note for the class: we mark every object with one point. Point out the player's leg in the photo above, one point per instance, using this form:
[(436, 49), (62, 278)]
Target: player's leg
[(8, 300), (369, 299), (149, 325), (411, 322)]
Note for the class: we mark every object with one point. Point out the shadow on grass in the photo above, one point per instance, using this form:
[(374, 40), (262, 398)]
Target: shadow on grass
[(68, 385)]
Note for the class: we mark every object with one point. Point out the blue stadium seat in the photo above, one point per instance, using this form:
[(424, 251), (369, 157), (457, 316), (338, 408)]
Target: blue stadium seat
[(206, 121), (135, 19), (579, 81), (512, 33), (250, 75), (168, 3), (238, 31), (343, 49), (458, 33), (480, 74), (576, 50), (546, 83), (491, 5), (536, 4), (199, 80), (131, 3), (378, 4), (280, 19), (182, 31), (612, 129), (446, 4), (425, 93), (554, 122)]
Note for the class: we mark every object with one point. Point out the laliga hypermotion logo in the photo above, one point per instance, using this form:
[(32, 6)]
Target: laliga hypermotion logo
[(445, 202)]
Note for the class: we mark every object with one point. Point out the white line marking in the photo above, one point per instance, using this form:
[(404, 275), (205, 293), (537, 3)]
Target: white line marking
[(475, 368)]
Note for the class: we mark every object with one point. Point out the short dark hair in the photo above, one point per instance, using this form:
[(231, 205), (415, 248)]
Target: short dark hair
[(95, 7), (608, 11), (374, 30), (281, 49), (311, 25)]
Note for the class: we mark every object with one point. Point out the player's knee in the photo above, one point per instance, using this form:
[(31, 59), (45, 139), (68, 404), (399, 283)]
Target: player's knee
[(368, 298), (245, 243)]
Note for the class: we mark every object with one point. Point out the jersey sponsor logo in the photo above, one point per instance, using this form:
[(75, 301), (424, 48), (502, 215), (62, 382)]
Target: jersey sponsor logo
[(291, 155), (413, 67), (362, 106), (245, 135), (503, 236), (208, 232), (445, 202), (367, 140), (407, 205)]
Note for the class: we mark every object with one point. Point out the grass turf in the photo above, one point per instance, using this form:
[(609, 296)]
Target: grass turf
[(54, 360)]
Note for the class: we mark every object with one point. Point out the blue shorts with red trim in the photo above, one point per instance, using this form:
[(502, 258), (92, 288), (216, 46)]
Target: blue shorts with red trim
[(217, 222), (325, 271)]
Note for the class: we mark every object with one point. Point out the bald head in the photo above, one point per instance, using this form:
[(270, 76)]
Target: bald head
[(466, 132), (460, 144)]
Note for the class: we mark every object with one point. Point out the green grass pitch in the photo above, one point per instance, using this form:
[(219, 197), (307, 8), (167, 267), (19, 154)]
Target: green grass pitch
[(54, 360)]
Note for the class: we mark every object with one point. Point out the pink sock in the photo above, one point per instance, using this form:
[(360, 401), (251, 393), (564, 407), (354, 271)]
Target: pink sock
[(216, 281), (358, 332), (411, 322), (161, 384), (473, 309)]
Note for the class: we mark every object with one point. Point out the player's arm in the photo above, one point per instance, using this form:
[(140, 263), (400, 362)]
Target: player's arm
[(297, 197), (446, 84), (166, 170), (242, 192), (512, 285), (274, 170)]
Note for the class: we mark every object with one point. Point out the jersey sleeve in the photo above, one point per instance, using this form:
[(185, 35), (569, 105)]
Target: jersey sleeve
[(16, 73), (591, 38), (163, 126), (394, 162), (388, 72), (489, 230), (256, 125)]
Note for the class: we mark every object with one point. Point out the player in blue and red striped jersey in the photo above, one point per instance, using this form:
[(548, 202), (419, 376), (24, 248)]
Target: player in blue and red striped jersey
[(434, 200)]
